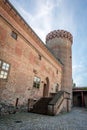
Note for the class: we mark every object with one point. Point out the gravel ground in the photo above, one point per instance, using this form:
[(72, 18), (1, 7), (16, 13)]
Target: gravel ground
[(74, 120)]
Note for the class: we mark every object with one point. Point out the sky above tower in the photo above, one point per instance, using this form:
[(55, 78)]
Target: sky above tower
[(70, 15)]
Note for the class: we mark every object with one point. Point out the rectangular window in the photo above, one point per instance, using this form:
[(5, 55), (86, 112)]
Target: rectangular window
[(14, 35), (4, 69), (36, 82)]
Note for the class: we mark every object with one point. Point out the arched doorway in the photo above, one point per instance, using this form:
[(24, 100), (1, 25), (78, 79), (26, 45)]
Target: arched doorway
[(46, 88)]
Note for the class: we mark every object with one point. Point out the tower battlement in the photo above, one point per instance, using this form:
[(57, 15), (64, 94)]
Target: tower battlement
[(59, 34), (59, 42)]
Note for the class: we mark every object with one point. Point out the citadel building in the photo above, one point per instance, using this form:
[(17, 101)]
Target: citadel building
[(33, 75)]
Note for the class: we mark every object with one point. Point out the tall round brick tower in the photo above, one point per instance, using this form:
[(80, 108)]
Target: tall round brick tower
[(59, 42)]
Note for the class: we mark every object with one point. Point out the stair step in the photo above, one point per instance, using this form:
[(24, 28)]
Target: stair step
[(41, 106)]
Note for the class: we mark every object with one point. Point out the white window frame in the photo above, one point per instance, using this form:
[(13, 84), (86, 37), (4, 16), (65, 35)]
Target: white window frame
[(4, 69), (36, 82)]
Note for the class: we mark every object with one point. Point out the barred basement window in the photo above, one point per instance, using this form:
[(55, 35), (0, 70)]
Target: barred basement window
[(14, 35), (36, 82), (4, 69)]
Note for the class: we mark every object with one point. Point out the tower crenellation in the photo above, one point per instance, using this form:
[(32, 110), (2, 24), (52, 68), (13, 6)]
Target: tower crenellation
[(59, 34)]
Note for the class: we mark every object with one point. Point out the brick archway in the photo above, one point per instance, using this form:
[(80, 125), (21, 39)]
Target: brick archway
[(46, 88)]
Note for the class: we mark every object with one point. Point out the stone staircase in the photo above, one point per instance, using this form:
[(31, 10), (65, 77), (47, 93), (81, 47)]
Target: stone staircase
[(55, 104), (51, 105), (41, 106)]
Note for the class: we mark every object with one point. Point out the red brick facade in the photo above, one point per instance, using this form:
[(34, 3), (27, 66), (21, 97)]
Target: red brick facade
[(23, 56), (28, 57)]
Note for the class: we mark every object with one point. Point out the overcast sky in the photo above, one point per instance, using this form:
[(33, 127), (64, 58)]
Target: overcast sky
[(71, 15)]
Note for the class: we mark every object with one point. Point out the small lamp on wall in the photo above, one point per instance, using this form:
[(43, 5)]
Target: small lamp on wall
[(42, 81)]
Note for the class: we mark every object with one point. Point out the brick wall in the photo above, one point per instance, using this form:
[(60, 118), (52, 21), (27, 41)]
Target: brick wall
[(23, 56)]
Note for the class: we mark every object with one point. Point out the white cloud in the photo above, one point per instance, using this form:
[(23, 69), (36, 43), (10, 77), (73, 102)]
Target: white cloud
[(43, 21), (53, 15), (80, 74)]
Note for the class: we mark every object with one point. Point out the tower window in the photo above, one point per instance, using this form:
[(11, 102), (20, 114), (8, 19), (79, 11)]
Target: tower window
[(56, 71), (70, 57), (4, 69), (39, 57), (36, 82), (14, 35)]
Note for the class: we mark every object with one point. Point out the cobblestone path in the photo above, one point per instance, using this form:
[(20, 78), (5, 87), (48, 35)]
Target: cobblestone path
[(74, 120)]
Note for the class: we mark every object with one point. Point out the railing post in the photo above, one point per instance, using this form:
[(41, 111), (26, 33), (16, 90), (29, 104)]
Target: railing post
[(28, 105), (16, 104)]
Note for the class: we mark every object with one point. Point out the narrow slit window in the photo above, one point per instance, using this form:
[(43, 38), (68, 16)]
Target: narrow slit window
[(39, 57), (56, 71)]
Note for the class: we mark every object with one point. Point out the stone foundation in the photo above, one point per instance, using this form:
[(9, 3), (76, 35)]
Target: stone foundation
[(10, 109)]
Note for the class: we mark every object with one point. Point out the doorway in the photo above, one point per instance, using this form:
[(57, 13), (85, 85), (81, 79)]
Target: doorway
[(46, 88), (79, 98)]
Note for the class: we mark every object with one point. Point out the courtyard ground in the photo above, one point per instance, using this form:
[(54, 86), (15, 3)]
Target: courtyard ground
[(74, 120)]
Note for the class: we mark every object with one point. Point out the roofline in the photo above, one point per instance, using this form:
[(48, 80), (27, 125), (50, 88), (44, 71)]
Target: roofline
[(77, 89), (80, 87), (22, 18), (7, 1)]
